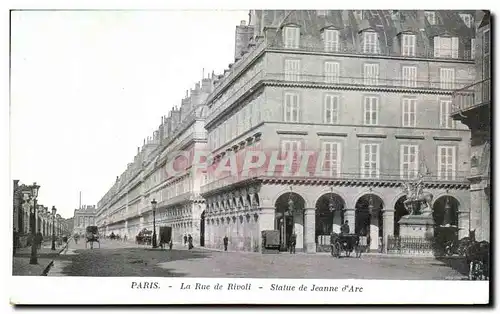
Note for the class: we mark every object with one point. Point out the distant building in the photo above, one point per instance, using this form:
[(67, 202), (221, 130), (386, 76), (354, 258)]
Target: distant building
[(472, 106), (84, 217)]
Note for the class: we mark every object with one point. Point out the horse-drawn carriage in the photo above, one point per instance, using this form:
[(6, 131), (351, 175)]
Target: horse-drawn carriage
[(91, 236), (346, 243), (144, 237)]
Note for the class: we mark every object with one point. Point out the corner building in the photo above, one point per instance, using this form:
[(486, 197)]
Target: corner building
[(374, 90), (472, 106), (126, 208)]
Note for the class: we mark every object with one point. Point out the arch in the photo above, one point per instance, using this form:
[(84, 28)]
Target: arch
[(445, 211), (399, 212), (368, 221), (289, 220), (286, 191), (328, 191), (364, 194), (395, 199), (328, 219)]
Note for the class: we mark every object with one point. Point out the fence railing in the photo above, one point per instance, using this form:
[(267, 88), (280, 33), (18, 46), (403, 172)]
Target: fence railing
[(471, 96), (442, 54), (410, 245)]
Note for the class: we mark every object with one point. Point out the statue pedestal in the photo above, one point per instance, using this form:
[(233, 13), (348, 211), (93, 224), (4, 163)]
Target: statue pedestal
[(419, 226)]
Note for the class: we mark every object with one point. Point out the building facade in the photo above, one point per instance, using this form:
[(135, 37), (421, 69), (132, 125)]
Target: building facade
[(126, 208), (472, 106), (83, 217), (369, 90), (373, 89), (45, 221)]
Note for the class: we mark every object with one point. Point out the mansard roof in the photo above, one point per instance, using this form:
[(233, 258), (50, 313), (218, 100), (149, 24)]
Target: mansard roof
[(380, 21)]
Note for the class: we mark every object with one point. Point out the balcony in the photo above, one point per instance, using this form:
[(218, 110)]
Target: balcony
[(471, 96), (366, 82), (319, 47), (391, 177)]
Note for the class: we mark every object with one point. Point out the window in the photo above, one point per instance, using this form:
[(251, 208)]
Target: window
[(409, 112), (447, 78), (409, 76), (371, 73), (473, 48), (446, 47), (409, 45), (291, 147), (446, 162), (445, 120), (332, 155), (331, 114), (331, 40), (467, 18), (291, 37), (292, 70), (332, 72), (431, 17), (370, 161), (291, 107), (371, 110), (409, 161), (486, 42), (370, 43), (358, 14)]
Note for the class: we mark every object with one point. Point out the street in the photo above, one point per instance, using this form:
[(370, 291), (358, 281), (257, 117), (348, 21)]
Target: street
[(115, 258)]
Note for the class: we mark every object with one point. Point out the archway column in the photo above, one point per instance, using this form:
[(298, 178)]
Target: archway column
[(463, 224), (266, 219), (350, 216), (310, 230), (388, 226)]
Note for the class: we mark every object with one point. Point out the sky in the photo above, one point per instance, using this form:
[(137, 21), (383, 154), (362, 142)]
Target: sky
[(88, 86)]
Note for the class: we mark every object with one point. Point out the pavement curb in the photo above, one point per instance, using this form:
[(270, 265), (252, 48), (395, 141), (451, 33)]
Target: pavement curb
[(49, 266)]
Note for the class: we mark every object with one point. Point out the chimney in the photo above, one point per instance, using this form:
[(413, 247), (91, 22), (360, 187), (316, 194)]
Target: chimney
[(206, 85), (243, 23), (242, 37), (270, 34)]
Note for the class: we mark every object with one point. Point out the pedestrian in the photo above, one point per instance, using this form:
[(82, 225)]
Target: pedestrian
[(293, 243), (39, 240), (185, 240), (226, 241), (345, 228), (190, 242), (170, 244)]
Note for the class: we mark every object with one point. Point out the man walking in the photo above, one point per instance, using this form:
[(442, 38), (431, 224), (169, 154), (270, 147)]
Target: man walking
[(185, 240), (226, 241), (293, 243), (190, 242)]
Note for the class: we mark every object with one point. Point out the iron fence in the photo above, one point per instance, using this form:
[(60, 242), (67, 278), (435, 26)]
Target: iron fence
[(410, 245)]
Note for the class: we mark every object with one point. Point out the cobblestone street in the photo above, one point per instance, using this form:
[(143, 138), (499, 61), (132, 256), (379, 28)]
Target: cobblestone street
[(127, 259)]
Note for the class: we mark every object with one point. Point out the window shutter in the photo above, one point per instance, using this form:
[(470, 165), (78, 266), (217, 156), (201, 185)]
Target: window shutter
[(454, 47), (436, 47)]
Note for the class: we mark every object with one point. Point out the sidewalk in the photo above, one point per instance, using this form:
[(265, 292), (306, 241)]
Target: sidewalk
[(21, 261)]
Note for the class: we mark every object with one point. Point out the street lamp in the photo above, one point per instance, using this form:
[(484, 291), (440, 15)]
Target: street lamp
[(34, 194), (153, 204), (54, 210)]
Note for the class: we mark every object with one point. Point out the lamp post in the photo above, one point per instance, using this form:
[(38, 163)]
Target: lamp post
[(54, 210), (34, 194), (153, 204)]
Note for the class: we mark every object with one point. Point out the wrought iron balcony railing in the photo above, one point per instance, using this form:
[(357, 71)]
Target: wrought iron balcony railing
[(472, 96), (443, 54)]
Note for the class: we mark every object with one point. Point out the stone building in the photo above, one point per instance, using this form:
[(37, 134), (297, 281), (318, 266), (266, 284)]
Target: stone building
[(472, 106), (84, 217), (372, 89), (44, 220), (126, 208)]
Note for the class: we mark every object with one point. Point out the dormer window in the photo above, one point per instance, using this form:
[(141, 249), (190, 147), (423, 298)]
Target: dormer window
[(331, 40), (431, 17), (445, 47), (370, 42), (408, 45), (358, 14), (467, 18), (291, 37), (321, 12)]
